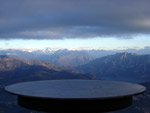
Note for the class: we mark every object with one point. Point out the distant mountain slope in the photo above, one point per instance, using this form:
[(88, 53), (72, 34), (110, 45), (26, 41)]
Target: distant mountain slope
[(70, 58), (65, 57), (30, 73), (8, 63), (122, 66)]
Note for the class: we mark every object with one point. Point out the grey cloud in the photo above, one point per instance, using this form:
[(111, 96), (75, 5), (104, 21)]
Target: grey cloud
[(56, 19)]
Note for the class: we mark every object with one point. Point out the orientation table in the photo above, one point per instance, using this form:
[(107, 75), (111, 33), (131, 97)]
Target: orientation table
[(75, 95)]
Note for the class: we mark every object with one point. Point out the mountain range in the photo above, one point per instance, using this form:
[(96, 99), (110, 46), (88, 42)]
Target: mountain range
[(8, 63), (70, 58), (66, 57), (35, 67), (61, 57), (128, 67)]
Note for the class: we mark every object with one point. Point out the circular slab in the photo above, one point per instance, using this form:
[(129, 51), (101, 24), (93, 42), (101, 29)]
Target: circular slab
[(75, 89), (89, 95)]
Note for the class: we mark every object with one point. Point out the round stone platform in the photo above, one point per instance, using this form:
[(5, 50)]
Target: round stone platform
[(75, 95)]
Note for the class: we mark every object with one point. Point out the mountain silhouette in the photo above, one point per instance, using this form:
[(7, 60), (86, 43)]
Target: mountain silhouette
[(70, 58), (122, 66)]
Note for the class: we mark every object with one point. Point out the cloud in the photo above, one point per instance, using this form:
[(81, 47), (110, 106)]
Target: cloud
[(57, 19)]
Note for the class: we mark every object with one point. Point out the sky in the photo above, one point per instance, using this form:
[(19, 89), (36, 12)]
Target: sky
[(78, 44), (84, 24)]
